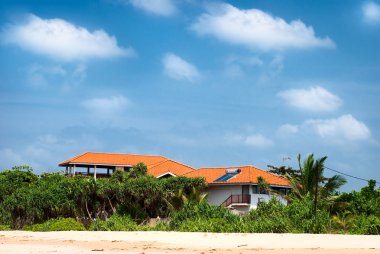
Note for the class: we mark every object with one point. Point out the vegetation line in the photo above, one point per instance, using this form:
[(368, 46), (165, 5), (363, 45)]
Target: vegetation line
[(135, 201)]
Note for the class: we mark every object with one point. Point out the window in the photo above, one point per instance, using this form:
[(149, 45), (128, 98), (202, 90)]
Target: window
[(254, 189)]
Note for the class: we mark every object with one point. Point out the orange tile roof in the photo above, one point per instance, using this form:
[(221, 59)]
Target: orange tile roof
[(157, 165), (248, 174), (174, 167), (113, 159)]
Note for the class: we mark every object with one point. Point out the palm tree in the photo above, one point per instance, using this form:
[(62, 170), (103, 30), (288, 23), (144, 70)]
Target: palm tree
[(311, 180), (179, 199)]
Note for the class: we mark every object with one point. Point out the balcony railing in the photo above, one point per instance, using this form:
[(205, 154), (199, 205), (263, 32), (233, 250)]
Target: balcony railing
[(244, 199)]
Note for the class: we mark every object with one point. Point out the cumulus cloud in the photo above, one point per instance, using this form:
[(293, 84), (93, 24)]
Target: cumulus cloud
[(39, 76), (107, 105), (346, 127), (9, 158), (157, 7), (235, 66), (371, 12), (256, 140), (315, 99), (287, 129), (177, 68), (343, 128), (256, 29), (59, 39)]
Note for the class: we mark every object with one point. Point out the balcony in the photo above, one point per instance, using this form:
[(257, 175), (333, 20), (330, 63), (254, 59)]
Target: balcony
[(237, 200)]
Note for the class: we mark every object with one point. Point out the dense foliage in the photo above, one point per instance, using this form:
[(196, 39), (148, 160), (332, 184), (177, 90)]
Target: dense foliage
[(128, 200), (28, 199)]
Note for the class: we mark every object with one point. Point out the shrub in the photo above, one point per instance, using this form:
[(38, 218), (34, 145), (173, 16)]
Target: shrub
[(216, 225), (62, 224), (367, 225), (269, 217), (115, 223), (5, 227), (202, 211), (300, 215)]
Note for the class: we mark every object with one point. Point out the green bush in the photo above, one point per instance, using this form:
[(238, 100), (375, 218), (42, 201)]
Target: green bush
[(269, 217), (5, 227), (300, 215), (216, 225), (366, 225), (202, 212), (62, 224), (115, 223)]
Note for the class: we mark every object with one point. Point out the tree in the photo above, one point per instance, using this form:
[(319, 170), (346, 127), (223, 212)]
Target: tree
[(263, 185), (137, 170), (180, 198), (283, 171), (312, 180)]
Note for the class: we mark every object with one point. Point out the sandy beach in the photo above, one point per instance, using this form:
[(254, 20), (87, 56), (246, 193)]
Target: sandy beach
[(75, 242)]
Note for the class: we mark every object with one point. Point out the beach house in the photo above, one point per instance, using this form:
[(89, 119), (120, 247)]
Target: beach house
[(236, 188)]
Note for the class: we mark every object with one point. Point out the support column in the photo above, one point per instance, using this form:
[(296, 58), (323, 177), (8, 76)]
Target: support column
[(88, 171), (66, 170), (74, 170), (95, 172), (71, 170)]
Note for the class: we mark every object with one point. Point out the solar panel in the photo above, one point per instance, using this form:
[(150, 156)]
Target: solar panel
[(226, 177)]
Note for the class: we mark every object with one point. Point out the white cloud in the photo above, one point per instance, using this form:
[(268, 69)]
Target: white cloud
[(235, 66), (66, 77), (273, 69), (287, 129), (157, 7), (315, 99), (346, 127), (256, 29), (177, 68), (62, 40), (9, 158), (106, 105), (371, 12), (256, 140), (245, 60), (343, 128)]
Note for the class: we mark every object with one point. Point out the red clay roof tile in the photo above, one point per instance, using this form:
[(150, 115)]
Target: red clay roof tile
[(113, 159), (248, 174)]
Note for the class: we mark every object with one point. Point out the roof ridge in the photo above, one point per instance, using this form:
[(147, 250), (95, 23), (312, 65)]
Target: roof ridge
[(268, 172), (128, 154), (158, 163), (182, 164), (225, 167), (161, 162), (73, 158)]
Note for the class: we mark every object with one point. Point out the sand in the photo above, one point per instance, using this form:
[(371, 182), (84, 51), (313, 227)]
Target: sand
[(75, 242)]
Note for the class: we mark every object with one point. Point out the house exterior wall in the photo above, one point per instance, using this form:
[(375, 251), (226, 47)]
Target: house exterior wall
[(217, 194)]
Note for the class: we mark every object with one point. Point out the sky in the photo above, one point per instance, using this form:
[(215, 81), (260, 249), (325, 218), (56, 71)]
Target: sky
[(206, 83)]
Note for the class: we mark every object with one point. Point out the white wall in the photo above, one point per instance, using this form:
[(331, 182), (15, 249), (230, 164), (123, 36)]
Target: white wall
[(218, 194)]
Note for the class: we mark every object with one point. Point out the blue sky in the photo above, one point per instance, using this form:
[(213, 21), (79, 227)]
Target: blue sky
[(207, 83)]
